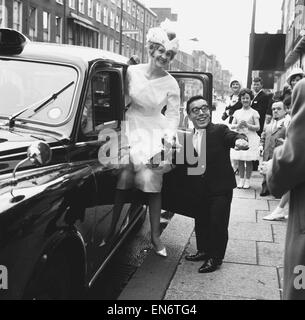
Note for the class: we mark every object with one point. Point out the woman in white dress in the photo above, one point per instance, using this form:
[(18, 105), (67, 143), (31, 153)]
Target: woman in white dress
[(246, 120), (150, 87)]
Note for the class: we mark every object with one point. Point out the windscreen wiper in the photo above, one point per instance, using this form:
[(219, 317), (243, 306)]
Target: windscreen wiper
[(11, 119)]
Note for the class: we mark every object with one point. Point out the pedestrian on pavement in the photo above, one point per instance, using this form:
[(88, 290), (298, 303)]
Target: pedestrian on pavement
[(273, 136), (296, 75), (150, 87), (293, 78), (246, 121), (260, 102), (213, 190), (286, 171), (234, 102)]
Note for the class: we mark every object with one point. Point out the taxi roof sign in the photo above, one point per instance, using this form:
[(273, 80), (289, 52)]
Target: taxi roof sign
[(12, 42)]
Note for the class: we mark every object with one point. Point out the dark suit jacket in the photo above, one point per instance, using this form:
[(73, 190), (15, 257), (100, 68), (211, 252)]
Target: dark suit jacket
[(260, 103), (190, 191)]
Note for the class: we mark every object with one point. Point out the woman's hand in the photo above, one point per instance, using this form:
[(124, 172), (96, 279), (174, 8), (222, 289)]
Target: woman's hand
[(243, 124)]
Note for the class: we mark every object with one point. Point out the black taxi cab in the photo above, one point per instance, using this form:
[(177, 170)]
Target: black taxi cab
[(58, 222)]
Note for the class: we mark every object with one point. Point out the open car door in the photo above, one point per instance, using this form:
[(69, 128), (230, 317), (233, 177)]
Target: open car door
[(175, 195)]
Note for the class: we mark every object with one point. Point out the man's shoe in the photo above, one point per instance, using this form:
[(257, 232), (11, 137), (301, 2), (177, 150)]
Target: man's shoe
[(210, 265), (264, 193), (199, 256)]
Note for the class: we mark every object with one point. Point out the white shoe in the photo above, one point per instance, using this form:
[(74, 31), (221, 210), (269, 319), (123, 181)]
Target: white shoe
[(161, 252), (277, 214), (247, 184), (241, 184)]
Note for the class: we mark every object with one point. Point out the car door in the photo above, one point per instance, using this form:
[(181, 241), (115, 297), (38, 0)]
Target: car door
[(100, 131), (191, 84)]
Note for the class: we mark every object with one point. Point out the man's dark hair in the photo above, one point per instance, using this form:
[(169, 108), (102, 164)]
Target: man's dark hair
[(246, 91), (258, 79), (191, 100)]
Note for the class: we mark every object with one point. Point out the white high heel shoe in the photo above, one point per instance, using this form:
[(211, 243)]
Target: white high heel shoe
[(161, 253)]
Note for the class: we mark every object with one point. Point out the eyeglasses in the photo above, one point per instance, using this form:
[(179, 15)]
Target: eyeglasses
[(203, 109)]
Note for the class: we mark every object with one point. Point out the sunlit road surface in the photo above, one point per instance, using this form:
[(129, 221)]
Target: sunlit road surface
[(216, 115)]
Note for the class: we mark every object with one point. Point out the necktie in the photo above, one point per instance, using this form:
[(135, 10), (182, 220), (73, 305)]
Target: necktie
[(196, 141)]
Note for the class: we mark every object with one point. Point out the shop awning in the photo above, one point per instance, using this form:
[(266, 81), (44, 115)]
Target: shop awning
[(83, 22)]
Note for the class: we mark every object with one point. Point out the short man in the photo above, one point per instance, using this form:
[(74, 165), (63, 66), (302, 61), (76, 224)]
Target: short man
[(213, 189), (260, 102), (273, 136)]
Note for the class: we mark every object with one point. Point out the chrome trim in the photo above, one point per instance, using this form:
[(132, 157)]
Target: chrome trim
[(25, 153), (113, 251), (110, 122)]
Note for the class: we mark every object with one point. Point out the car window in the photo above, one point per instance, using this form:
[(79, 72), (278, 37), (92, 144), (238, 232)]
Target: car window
[(24, 84), (101, 103)]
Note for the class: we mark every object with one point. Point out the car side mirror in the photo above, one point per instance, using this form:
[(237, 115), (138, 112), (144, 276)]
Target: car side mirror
[(39, 153)]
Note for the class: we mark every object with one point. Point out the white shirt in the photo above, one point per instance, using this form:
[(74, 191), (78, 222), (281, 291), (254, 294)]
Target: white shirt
[(197, 139)]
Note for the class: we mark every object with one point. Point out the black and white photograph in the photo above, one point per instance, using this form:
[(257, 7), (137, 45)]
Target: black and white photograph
[(152, 153)]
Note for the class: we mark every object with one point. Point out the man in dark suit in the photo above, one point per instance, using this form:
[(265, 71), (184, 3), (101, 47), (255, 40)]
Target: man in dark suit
[(211, 184), (260, 102)]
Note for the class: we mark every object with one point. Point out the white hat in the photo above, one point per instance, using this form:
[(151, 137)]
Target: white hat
[(295, 72), (160, 36), (233, 82)]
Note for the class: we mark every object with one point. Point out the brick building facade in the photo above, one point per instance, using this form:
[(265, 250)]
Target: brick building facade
[(92, 23)]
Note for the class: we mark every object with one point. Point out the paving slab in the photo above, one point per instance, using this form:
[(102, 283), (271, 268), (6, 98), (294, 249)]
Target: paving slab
[(239, 251), (250, 231), (270, 254), (253, 282), (279, 233), (250, 204), (199, 295), (244, 193)]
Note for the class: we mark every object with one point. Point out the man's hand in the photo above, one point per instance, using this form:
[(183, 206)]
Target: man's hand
[(241, 144), (261, 150)]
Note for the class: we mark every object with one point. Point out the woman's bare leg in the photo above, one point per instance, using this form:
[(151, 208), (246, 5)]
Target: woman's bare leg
[(284, 200), (154, 202), (241, 169)]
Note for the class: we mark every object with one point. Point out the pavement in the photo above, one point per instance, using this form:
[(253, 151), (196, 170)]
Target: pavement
[(252, 268)]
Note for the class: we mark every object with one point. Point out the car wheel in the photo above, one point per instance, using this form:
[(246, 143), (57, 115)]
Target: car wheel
[(54, 281)]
